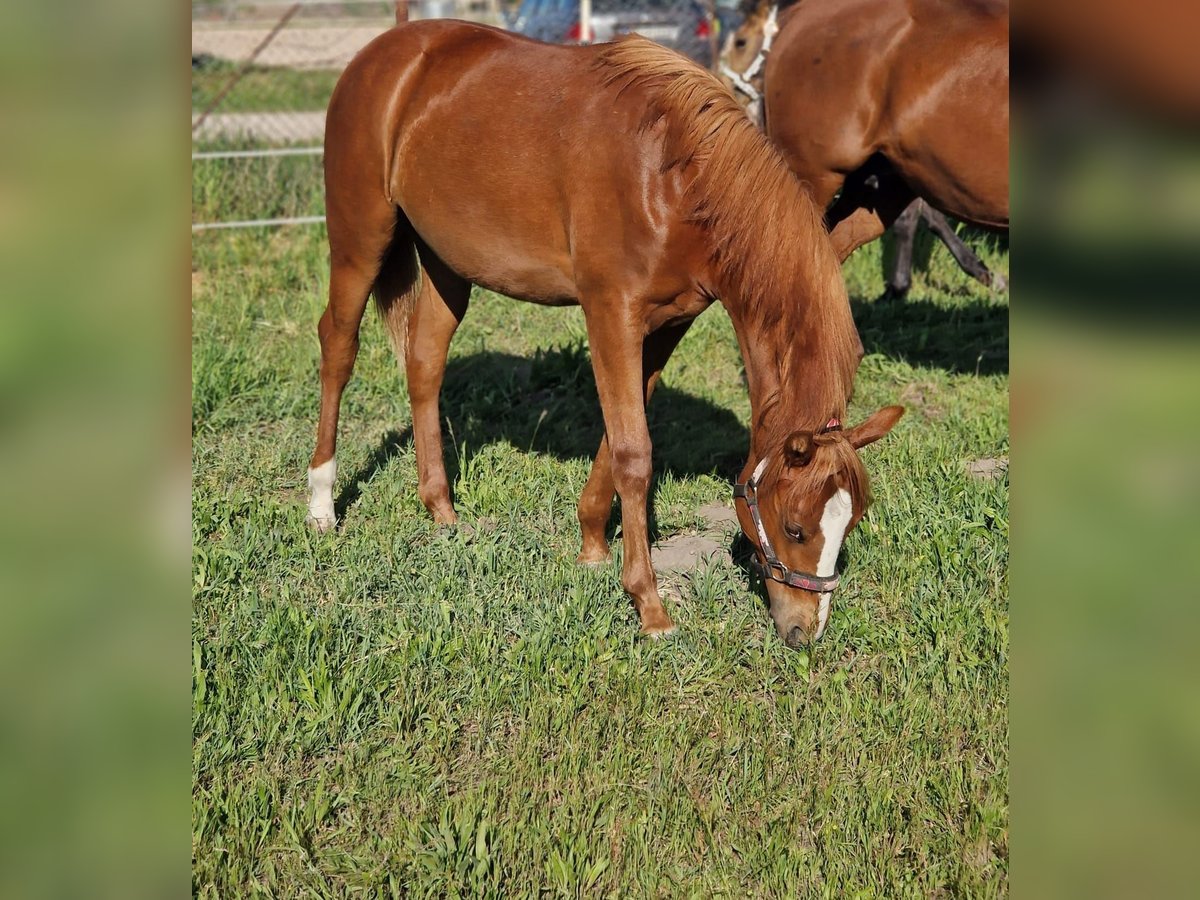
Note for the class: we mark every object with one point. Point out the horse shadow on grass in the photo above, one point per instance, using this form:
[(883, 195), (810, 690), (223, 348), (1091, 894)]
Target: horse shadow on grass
[(547, 403), (967, 339), (970, 339)]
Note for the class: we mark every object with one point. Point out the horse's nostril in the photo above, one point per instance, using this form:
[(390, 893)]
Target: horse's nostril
[(797, 637)]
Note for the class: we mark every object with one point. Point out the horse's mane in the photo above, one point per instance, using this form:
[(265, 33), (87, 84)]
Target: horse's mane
[(774, 262)]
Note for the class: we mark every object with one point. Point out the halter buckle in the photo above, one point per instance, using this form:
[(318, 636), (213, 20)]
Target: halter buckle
[(772, 567)]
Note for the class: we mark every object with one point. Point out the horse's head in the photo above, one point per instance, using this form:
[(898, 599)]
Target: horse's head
[(797, 504), (744, 54)]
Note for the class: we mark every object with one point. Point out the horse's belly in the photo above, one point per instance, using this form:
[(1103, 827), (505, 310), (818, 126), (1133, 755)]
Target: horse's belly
[(539, 284), (507, 263)]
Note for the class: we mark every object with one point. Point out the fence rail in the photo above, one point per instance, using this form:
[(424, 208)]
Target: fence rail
[(259, 223), (259, 154)]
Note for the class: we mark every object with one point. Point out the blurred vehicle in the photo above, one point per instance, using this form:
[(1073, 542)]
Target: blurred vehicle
[(682, 25)]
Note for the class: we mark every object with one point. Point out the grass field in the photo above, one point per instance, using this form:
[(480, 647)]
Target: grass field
[(395, 709)]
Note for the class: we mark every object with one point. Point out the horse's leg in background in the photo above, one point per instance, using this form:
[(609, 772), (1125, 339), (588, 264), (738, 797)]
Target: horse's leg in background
[(356, 245), (966, 258), (595, 503), (615, 336), (440, 307), (899, 278), (872, 198)]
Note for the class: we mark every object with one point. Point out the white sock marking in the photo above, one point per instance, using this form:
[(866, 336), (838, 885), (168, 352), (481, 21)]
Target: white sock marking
[(834, 520), (320, 501)]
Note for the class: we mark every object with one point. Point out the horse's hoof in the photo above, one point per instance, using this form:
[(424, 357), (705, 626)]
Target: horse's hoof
[(999, 283), (659, 633), (442, 517), (657, 624), (321, 524), (593, 562)]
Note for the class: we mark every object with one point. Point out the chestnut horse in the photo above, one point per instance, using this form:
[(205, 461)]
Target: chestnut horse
[(622, 178), (886, 101), (741, 69)]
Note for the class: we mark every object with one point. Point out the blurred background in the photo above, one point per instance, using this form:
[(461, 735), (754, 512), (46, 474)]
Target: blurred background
[(1106, 436)]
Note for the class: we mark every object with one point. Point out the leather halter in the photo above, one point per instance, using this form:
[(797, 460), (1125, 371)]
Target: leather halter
[(741, 80), (774, 568)]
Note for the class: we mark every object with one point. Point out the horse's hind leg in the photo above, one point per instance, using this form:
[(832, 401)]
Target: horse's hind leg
[(963, 255), (595, 503), (899, 278), (356, 249), (440, 307)]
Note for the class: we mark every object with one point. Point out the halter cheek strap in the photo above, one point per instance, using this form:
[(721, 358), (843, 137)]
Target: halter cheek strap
[(741, 80), (772, 566)]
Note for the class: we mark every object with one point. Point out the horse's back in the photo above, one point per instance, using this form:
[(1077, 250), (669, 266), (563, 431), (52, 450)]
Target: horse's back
[(505, 154), (444, 67)]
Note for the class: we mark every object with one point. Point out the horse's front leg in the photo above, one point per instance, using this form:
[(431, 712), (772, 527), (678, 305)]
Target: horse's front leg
[(963, 255), (595, 503), (615, 335)]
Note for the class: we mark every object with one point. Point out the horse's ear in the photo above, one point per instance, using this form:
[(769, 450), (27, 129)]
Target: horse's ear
[(798, 448), (875, 427)]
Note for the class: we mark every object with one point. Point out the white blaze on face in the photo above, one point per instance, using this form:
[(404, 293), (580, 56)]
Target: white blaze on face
[(320, 501), (834, 521)]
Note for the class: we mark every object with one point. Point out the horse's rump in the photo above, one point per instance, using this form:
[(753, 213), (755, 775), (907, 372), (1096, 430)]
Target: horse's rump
[(456, 126)]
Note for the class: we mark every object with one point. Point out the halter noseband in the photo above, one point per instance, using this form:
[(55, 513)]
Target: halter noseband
[(741, 80), (774, 568)]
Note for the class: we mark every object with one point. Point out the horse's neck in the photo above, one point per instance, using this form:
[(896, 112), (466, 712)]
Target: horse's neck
[(790, 386), (760, 358)]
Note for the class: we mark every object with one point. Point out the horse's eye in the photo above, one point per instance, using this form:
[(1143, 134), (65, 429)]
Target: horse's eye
[(740, 43), (795, 532)]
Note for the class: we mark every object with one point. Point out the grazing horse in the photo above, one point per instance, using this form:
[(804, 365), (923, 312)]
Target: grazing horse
[(622, 178), (885, 101)]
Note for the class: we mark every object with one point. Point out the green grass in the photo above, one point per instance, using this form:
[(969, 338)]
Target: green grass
[(248, 189), (262, 88), (395, 709)]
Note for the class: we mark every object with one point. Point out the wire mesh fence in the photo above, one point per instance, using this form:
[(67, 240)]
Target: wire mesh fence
[(263, 72)]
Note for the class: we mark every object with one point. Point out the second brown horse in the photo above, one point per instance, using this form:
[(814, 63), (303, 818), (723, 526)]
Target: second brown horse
[(884, 101), (624, 179)]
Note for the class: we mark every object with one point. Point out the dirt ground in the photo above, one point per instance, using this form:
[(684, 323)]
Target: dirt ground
[(279, 127), (681, 553), (299, 47)]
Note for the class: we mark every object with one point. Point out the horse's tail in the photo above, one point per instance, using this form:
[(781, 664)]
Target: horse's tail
[(396, 289)]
